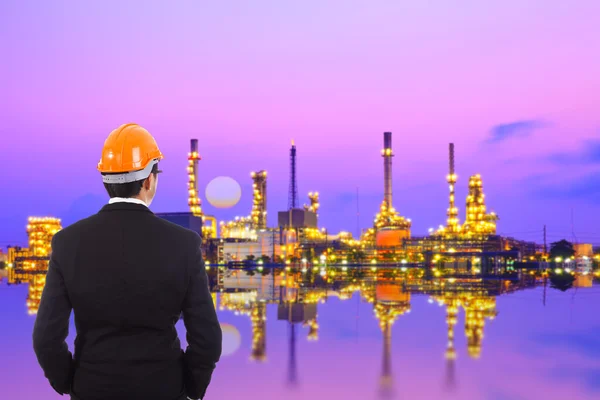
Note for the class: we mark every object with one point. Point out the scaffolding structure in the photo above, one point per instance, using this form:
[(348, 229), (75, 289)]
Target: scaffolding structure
[(31, 265), (259, 199), (478, 221), (453, 226), (313, 197), (247, 227)]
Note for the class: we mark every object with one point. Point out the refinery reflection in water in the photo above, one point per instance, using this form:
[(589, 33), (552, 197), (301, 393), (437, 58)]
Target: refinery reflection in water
[(296, 289), (297, 296), (268, 315)]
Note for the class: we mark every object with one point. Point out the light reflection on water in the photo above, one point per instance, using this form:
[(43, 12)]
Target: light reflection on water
[(372, 340)]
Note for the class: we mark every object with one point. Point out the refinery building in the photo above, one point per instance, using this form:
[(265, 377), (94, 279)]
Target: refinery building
[(297, 236)]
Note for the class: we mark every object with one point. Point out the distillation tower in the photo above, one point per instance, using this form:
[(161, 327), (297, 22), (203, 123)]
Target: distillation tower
[(259, 199), (478, 222), (31, 264), (247, 227), (389, 226), (194, 202), (453, 227)]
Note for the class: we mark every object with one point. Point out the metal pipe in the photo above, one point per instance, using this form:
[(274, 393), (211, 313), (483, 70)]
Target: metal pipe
[(387, 168), (452, 210)]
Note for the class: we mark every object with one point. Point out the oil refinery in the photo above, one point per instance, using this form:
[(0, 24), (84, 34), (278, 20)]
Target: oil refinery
[(295, 235), (30, 265), (294, 240)]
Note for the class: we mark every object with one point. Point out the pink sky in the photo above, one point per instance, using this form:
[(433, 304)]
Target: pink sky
[(246, 78)]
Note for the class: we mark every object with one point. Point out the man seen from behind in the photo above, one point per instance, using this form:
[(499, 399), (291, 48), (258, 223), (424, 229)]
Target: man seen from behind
[(128, 275)]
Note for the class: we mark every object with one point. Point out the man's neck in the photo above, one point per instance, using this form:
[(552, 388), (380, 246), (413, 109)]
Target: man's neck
[(138, 198)]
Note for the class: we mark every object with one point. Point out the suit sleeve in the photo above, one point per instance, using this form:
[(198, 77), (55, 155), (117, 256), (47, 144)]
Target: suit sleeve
[(203, 329), (51, 329)]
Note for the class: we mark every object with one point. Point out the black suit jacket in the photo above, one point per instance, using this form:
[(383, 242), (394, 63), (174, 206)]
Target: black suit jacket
[(128, 275)]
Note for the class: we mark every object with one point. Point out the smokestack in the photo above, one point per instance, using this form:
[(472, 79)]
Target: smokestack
[(293, 193), (451, 158), (452, 210), (387, 168), (195, 157), (193, 199)]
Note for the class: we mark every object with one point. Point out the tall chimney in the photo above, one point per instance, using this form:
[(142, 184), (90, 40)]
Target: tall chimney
[(193, 199), (452, 210), (387, 168), (293, 192)]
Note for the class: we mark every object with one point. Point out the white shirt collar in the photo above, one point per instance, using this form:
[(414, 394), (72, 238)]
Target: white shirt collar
[(126, 200)]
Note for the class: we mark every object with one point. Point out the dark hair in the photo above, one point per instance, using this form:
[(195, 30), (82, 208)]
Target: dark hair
[(130, 189)]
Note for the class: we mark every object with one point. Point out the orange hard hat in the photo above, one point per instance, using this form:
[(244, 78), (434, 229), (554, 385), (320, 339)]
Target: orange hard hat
[(128, 155)]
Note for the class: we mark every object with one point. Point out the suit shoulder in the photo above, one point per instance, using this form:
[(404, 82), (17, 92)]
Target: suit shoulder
[(76, 228), (177, 229)]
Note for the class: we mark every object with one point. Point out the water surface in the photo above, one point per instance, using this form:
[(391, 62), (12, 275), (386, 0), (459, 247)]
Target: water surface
[(382, 343)]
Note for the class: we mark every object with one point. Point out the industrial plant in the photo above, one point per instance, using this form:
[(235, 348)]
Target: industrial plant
[(294, 241), (30, 264), (295, 235)]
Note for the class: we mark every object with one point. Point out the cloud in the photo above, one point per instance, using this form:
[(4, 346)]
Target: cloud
[(586, 187), (583, 188), (588, 154), (502, 132)]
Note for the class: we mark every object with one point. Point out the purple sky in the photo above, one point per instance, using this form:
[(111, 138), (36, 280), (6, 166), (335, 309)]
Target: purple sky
[(514, 84)]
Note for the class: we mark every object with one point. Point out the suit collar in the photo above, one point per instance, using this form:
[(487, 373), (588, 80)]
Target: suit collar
[(122, 206), (126, 200)]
